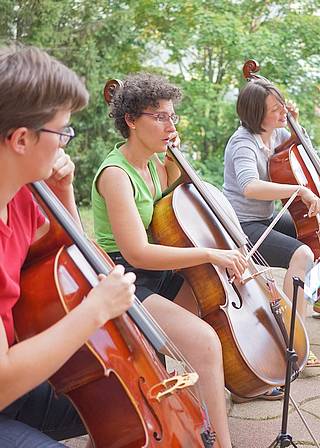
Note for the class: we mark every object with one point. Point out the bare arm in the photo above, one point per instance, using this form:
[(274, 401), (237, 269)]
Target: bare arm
[(131, 237), (45, 353), (268, 191)]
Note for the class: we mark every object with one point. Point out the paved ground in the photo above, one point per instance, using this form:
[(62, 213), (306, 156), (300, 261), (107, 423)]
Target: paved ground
[(258, 423)]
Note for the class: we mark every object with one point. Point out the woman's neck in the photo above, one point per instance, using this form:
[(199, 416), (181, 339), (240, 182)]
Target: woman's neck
[(11, 182), (4, 214), (266, 137), (136, 155), (7, 193)]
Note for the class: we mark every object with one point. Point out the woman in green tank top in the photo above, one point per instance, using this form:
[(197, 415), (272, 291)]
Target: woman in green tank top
[(125, 187)]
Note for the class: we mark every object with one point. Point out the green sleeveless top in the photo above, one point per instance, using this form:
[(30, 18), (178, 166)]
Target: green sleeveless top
[(142, 195)]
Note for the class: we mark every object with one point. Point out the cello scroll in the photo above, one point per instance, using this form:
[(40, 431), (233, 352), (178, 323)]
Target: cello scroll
[(250, 67), (111, 86)]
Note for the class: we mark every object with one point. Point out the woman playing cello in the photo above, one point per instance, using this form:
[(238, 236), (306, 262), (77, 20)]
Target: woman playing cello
[(32, 133), (127, 184), (263, 114)]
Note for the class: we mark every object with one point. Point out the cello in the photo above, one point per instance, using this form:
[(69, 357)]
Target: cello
[(245, 314), (122, 392), (295, 162)]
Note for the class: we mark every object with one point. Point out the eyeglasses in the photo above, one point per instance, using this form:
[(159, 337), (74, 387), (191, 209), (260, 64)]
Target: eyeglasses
[(65, 137), (162, 117)]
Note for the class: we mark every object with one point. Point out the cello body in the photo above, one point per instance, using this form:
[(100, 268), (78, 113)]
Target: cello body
[(254, 350), (113, 380), (291, 164)]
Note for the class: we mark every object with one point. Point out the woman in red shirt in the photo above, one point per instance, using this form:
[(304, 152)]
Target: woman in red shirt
[(38, 94)]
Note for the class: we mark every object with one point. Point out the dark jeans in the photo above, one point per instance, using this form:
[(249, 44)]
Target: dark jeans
[(38, 419)]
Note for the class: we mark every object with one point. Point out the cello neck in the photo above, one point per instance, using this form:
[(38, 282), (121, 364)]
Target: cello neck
[(304, 141), (48, 199), (212, 203)]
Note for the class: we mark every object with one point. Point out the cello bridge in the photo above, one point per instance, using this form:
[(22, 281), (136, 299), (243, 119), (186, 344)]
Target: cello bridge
[(254, 275), (170, 385)]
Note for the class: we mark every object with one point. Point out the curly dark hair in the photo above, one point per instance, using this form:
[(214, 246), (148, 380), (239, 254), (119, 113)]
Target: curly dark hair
[(138, 92)]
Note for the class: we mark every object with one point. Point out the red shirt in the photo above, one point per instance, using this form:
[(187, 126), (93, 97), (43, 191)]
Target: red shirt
[(24, 217)]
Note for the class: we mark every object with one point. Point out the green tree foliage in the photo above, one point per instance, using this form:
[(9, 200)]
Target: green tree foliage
[(200, 44), (210, 40)]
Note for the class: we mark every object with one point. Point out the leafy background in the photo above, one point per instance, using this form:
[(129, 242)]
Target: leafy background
[(200, 45)]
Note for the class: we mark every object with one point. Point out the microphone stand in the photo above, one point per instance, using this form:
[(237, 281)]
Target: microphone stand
[(284, 439)]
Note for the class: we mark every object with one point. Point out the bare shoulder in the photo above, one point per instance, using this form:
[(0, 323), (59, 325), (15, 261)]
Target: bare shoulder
[(112, 178)]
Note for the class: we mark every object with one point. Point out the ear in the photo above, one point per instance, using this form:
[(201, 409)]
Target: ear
[(130, 121), (19, 140)]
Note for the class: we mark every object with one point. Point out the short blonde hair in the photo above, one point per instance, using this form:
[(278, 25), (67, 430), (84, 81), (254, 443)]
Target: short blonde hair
[(34, 86)]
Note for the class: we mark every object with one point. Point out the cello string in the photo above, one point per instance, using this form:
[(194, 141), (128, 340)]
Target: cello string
[(208, 197), (59, 208), (234, 225), (173, 351), (215, 207), (176, 354), (257, 257), (67, 219), (169, 345), (206, 193)]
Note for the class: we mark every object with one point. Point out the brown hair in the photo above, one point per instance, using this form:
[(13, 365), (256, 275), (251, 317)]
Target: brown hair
[(139, 91), (251, 104), (34, 87)]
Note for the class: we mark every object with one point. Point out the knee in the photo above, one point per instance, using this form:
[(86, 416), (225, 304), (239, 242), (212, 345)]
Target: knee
[(207, 343), (303, 258)]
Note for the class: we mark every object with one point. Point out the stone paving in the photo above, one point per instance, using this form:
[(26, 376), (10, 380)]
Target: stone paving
[(257, 424)]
